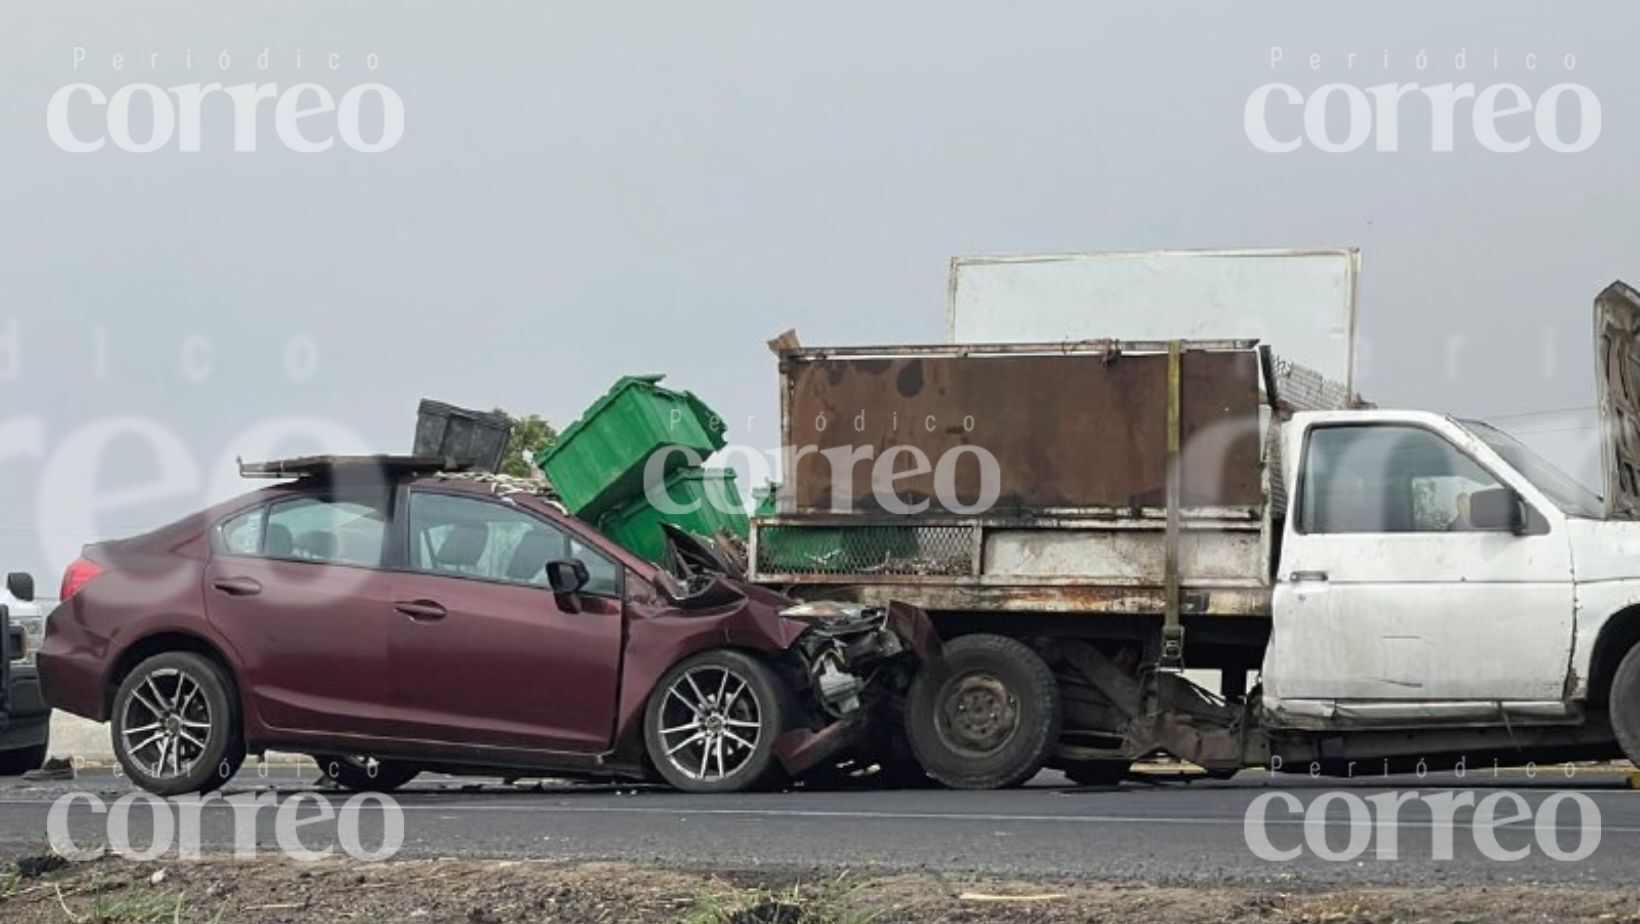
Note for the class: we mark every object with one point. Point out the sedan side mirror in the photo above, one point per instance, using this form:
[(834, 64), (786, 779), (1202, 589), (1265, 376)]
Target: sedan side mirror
[(1498, 509), (20, 584), (567, 576)]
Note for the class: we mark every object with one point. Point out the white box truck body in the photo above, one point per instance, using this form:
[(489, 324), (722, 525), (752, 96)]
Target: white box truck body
[(1302, 301)]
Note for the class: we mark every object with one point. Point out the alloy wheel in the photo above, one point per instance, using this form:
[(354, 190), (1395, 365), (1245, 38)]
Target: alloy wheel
[(711, 723), (167, 723)]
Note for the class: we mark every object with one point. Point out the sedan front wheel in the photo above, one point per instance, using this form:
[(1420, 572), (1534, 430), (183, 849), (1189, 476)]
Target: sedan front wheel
[(712, 722)]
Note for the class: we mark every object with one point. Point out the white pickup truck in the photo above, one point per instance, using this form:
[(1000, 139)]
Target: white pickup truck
[(25, 735), (1411, 587)]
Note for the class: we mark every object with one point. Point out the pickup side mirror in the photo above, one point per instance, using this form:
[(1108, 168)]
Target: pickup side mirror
[(567, 576), (20, 584), (1499, 509)]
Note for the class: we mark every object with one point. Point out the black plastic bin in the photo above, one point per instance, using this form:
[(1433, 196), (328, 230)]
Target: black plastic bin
[(478, 438)]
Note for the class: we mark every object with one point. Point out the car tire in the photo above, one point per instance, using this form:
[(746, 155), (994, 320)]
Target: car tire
[(144, 707), (365, 774), (1096, 772), (22, 760), (699, 719), (984, 715), (1623, 705)]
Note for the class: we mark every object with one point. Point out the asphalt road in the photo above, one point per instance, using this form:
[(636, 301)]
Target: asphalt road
[(1159, 832)]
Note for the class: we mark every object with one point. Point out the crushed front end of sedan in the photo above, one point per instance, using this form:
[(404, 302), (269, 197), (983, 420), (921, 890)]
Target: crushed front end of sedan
[(845, 667), (389, 616)]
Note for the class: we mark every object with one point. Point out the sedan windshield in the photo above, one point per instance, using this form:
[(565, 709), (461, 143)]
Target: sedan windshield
[(1567, 492)]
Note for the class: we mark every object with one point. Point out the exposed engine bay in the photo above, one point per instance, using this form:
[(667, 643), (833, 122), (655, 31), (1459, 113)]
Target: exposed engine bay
[(852, 661)]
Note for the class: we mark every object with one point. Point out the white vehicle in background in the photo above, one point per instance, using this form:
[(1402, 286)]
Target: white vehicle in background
[(1304, 301), (24, 739)]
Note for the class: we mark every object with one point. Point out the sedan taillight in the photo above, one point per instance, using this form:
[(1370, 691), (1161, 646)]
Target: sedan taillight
[(77, 576)]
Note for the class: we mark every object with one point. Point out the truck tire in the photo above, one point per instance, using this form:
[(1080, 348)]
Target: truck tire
[(1624, 705), (985, 715)]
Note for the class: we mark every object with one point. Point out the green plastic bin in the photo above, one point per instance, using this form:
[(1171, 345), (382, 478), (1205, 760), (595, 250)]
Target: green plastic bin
[(703, 492), (598, 462)]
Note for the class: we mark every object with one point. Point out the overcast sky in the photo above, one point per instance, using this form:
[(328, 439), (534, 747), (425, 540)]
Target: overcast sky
[(588, 190)]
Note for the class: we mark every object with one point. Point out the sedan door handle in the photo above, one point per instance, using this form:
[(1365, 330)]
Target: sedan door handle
[(238, 586), (1309, 576), (421, 610)]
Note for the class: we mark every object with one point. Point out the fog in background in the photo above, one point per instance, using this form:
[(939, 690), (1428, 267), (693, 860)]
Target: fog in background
[(590, 190)]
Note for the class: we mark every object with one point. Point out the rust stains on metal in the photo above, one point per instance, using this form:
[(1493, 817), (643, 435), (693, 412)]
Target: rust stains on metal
[(909, 381), (1044, 598), (1069, 430)]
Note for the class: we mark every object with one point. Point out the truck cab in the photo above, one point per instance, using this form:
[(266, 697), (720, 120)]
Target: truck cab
[(1435, 577), (1435, 569)]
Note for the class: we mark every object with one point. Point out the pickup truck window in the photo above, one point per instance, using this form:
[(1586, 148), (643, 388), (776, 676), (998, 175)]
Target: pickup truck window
[(1566, 492), (1387, 479)]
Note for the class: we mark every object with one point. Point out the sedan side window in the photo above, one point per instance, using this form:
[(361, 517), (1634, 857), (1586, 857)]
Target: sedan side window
[(325, 530), (242, 534), (1387, 479), (468, 537)]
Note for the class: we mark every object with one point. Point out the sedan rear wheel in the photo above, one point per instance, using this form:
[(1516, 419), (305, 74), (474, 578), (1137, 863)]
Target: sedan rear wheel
[(175, 727), (712, 723)]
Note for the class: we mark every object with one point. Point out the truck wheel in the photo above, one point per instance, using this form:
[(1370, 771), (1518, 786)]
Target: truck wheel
[(712, 722), (985, 715), (1624, 705), (176, 726)]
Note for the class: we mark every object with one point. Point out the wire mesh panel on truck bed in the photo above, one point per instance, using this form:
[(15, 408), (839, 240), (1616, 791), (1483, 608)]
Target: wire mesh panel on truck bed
[(821, 549)]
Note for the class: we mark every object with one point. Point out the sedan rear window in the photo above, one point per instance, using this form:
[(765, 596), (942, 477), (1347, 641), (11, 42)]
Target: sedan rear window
[(316, 529), (336, 531), (242, 535)]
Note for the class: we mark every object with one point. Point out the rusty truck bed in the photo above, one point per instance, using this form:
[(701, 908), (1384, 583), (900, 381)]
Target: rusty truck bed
[(1078, 518)]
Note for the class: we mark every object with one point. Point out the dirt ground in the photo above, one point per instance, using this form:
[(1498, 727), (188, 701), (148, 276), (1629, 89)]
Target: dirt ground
[(41, 889)]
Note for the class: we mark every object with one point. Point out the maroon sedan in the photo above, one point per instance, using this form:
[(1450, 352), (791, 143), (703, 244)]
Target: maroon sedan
[(390, 619)]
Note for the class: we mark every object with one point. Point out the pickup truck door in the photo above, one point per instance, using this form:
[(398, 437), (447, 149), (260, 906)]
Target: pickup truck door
[(1391, 602)]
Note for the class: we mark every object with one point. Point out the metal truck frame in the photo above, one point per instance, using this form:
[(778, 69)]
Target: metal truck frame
[(1110, 602)]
